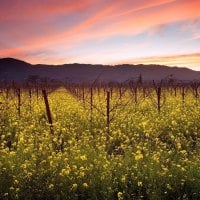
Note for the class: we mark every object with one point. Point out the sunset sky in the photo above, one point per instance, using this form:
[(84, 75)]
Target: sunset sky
[(101, 31)]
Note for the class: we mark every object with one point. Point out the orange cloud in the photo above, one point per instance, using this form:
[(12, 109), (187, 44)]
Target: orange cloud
[(12, 52), (184, 60)]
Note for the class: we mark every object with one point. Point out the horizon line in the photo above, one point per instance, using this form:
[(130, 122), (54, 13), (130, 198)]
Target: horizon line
[(112, 65)]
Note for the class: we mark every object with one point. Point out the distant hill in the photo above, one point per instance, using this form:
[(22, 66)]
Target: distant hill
[(16, 70)]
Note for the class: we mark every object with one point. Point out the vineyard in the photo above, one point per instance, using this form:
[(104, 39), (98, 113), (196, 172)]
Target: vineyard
[(100, 141)]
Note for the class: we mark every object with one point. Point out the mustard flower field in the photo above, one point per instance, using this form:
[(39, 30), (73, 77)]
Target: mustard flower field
[(110, 146)]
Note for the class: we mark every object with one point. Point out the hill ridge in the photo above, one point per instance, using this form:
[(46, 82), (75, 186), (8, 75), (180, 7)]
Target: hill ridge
[(20, 71)]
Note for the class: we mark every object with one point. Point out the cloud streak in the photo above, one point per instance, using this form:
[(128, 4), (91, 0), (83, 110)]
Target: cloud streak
[(31, 26), (14, 10), (182, 60)]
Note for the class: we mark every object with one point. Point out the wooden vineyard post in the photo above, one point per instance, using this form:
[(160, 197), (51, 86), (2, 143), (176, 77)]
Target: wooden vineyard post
[(83, 96), (56, 146), (48, 111), (158, 90), (175, 91), (108, 112), (37, 92), (195, 88), (19, 102), (91, 105), (159, 97), (183, 94), (77, 92), (99, 90), (30, 98), (120, 92), (136, 97), (111, 92), (7, 92)]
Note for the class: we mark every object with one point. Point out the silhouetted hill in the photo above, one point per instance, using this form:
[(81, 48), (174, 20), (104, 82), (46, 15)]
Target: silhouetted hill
[(17, 70)]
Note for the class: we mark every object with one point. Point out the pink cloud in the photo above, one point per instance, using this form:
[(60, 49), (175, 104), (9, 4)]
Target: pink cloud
[(105, 24), (196, 36), (35, 10), (104, 19)]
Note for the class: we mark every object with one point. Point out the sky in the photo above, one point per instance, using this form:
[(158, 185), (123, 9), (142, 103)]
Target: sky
[(165, 32)]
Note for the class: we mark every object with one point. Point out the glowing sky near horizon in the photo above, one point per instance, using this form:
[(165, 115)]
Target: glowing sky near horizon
[(101, 31)]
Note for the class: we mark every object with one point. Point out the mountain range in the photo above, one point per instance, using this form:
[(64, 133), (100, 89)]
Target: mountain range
[(19, 71)]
